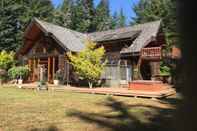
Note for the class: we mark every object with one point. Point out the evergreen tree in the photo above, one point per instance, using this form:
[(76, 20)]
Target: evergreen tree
[(63, 14), (152, 10), (9, 24), (15, 15), (114, 20), (103, 19), (121, 19), (83, 16)]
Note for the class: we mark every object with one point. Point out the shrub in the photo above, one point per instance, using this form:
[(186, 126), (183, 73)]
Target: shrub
[(6, 60), (165, 70), (18, 72)]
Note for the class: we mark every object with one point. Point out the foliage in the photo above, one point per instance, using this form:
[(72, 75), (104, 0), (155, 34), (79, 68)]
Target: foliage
[(103, 19), (89, 63), (6, 60), (18, 72), (63, 14), (121, 19), (165, 10), (83, 16), (15, 15), (114, 20), (165, 70)]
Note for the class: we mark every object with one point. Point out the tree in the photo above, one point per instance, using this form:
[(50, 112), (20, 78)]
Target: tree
[(88, 63), (121, 19), (114, 20), (103, 19), (83, 16), (6, 60), (165, 10), (9, 24), (63, 14), (15, 15)]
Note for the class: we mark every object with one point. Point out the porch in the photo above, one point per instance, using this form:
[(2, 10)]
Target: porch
[(44, 67), (159, 92)]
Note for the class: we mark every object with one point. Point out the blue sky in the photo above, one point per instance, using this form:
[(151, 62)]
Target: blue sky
[(115, 5)]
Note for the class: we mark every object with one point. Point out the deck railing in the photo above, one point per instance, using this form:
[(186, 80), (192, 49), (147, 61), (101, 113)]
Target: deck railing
[(153, 52)]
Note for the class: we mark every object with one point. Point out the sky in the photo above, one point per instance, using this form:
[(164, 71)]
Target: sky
[(115, 5)]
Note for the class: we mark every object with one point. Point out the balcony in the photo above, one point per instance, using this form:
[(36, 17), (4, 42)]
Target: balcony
[(151, 53)]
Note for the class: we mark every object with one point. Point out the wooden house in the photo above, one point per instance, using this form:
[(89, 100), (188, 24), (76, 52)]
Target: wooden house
[(128, 49)]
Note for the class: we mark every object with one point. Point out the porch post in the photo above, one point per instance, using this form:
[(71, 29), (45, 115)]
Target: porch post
[(34, 68), (155, 69), (30, 65), (53, 68), (38, 67), (49, 67), (139, 75)]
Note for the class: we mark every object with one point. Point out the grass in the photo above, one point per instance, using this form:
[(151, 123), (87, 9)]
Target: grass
[(27, 110)]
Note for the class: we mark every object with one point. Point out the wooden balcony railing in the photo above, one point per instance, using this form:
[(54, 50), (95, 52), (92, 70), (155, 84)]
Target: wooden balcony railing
[(151, 53)]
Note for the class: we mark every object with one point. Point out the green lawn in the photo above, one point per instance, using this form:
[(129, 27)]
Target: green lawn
[(27, 110)]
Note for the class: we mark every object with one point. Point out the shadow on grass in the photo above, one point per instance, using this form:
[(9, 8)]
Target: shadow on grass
[(120, 118), (50, 128)]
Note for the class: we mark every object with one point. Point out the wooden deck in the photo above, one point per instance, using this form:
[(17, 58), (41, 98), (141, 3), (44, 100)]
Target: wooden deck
[(125, 92), (163, 92)]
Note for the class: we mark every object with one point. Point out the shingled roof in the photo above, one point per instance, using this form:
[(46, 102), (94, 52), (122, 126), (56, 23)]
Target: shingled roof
[(69, 39), (148, 32), (74, 41)]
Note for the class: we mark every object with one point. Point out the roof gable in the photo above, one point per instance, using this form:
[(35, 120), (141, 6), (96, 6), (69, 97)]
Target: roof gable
[(68, 39), (148, 31), (74, 41)]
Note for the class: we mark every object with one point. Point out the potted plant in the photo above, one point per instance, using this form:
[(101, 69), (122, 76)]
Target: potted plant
[(58, 76), (20, 80), (19, 73)]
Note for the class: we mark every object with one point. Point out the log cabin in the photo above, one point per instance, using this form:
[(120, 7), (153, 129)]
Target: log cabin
[(129, 50)]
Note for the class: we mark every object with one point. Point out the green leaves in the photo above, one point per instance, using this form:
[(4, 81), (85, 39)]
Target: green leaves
[(6, 60), (83, 16), (151, 10), (88, 63), (15, 15), (18, 72), (121, 20), (103, 19)]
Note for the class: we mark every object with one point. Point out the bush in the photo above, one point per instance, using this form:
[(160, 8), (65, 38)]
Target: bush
[(18, 72), (6, 60), (165, 70)]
